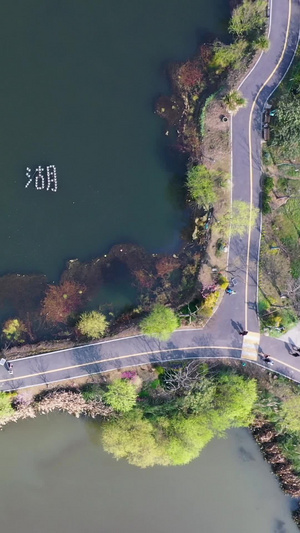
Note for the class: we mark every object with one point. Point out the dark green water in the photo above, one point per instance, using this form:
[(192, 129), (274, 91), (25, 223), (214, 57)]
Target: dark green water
[(78, 85), (54, 479)]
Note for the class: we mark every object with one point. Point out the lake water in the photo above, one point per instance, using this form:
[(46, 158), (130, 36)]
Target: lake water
[(79, 81), (54, 479)]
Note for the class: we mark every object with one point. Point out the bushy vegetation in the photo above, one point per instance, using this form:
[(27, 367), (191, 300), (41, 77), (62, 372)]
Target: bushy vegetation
[(201, 185), (6, 408), (14, 330), (228, 56), (121, 395), (92, 324), (61, 301), (234, 100), (174, 432), (160, 323), (279, 403), (249, 19), (268, 185)]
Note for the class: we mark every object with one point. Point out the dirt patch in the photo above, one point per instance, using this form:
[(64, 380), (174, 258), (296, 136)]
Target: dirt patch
[(216, 156), (216, 139)]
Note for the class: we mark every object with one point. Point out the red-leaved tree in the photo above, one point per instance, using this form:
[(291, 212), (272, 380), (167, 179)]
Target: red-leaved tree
[(62, 300), (190, 74)]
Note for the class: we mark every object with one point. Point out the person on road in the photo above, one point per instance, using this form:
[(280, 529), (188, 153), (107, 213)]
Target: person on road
[(243, 333), (267, 360), (296, 352), (10, 368), (230, 291)]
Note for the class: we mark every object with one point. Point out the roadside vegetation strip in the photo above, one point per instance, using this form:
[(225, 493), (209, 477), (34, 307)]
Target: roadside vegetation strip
[(279, 259), (287, 34)]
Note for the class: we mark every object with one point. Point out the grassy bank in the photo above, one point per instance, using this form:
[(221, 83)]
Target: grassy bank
[(280, 252)]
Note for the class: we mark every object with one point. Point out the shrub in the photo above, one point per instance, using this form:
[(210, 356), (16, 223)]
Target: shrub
[(61, 301), (200, 184), (6, 408), (249, 18), (225, 56), (92, 392), (160, 323), (234, 101), (209, 304), (121, 395), (92, 324), (13, 330), (223, 282)]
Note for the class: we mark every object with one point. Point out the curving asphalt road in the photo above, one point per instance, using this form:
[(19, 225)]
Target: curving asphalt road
[(219, 338)]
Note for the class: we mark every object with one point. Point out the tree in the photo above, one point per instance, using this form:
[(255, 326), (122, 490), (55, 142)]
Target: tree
[(225, 56), (14, 329), (235, 398), (200, 184), (131, 437), (234, 101), (61, 301), (6, 408), (160, 323), (175, 431), (121, 395), (249, 18), (92, 324), (190, 74), (239, 220)]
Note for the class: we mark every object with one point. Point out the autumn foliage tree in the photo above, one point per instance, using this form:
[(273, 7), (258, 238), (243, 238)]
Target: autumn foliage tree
[(190, 74), (61, 301)]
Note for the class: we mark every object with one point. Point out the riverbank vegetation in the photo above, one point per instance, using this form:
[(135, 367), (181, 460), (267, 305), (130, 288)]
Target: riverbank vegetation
[(280, 251), (167, 414)]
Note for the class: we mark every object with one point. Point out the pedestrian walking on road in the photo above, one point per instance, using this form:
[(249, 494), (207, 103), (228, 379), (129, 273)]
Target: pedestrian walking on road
[(267, 359), (230, 291), (296, 352), (243, 333)]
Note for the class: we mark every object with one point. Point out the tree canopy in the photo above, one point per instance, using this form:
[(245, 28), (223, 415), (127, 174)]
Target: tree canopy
[(160, 323), (121, 395), (200, 184), (14, 329), (239, 220), (61, 301), (249, 18), (175, 432), (231, 55), (92, 324)]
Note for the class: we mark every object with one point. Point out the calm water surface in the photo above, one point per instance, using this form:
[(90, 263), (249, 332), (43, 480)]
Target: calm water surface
[(54, 479), (78, 85)]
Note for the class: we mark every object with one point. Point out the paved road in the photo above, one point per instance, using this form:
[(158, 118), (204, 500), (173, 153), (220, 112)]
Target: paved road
[(219, 339)]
